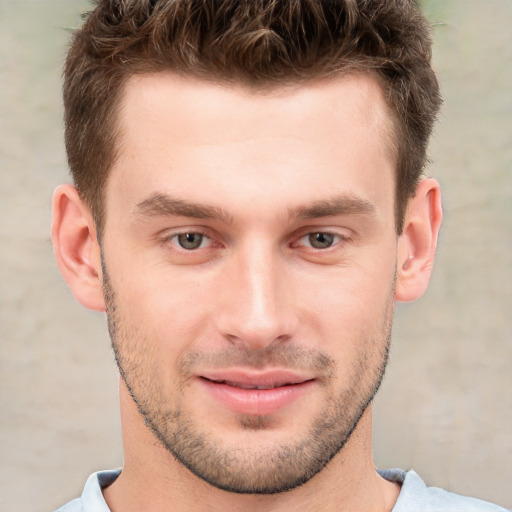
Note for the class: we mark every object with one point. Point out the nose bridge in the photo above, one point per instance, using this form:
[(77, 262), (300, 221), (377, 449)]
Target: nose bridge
[(257, 312)]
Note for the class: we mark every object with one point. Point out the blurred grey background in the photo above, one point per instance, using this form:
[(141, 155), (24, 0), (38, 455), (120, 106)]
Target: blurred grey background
[(445, 408)]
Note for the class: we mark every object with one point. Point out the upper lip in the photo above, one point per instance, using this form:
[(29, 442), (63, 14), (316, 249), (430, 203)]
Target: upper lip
[(256, 379)]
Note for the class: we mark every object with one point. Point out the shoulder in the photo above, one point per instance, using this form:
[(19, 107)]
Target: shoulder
[(416, 496), (92, 497)]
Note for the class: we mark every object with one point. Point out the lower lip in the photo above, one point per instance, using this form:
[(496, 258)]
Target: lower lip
[(255, 401)]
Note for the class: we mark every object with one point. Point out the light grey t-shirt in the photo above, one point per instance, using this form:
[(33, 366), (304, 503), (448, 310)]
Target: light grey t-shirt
[(415, 496)]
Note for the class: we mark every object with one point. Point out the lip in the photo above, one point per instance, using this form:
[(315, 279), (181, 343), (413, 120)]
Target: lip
[(255, 393)]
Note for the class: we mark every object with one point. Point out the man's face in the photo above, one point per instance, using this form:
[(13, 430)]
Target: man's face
[(249, 256)]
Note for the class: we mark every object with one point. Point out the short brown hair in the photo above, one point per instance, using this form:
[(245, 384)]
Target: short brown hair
[(259, 43)]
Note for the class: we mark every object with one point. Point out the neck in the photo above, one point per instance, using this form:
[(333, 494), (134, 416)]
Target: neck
[(152, 480)]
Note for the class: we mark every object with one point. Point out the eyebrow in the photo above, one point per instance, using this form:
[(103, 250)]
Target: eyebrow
[(164, 205), (339, 205)]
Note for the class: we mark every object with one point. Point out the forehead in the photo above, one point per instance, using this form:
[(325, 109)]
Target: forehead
[(184, 134), (358, 95)]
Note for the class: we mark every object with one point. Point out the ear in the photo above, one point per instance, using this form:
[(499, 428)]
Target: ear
[(76, 247), (418, 242)]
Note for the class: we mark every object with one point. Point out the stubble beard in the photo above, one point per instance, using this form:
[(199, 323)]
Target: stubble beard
[(240, 469)]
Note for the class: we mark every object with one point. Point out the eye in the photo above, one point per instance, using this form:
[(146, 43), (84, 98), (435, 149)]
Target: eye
[(190, 245), (319, 240), (191, 241), (322, 240)]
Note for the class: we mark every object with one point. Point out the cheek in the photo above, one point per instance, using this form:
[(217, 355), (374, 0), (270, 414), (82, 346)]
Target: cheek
[(165, 308), (354, 306)]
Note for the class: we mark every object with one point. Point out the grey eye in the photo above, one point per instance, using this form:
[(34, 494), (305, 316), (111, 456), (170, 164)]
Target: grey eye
[(190, 241), (321, 240)]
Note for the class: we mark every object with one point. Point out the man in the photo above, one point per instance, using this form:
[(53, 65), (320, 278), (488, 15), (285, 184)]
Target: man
[(248, 206)]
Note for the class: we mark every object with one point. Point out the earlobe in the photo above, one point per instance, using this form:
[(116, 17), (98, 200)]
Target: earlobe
[(76, 247), (417, 245)]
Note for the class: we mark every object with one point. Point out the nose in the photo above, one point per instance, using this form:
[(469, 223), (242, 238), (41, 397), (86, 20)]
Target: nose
[(256, 309)]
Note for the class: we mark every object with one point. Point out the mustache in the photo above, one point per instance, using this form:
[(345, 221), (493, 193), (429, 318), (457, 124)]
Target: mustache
[(282, 356)]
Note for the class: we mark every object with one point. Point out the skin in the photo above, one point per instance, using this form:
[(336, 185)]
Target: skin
[(257, 294)]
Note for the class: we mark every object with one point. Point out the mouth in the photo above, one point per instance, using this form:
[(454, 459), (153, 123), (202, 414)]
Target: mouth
[(242, 385), (257, 393)]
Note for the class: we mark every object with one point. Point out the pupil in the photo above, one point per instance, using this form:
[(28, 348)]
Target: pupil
[(321, 240)]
